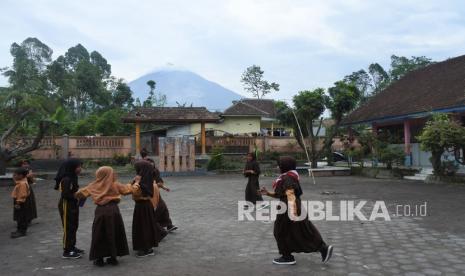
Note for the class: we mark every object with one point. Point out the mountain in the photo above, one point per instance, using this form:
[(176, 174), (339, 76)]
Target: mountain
[(185, 87)]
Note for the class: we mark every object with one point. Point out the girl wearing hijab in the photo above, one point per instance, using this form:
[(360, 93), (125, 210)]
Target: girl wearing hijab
[(68, 206), (108, 234), (146, 232), (162, 214), (293, 235), (252, 172)]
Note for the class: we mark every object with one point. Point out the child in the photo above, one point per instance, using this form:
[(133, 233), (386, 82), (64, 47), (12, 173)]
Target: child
[(162, 215), (252, 172), (108, 234), (30, 180), (294, 235), (68, 206), (22, 212), (146, 232)]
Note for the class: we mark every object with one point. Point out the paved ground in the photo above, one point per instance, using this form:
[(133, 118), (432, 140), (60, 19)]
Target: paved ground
[(212, 242)]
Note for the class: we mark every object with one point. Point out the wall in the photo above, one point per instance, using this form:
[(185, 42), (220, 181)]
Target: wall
[(83, 147)]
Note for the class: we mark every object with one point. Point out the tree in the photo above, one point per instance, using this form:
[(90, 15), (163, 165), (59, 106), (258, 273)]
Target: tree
[(400, 66), (26, 105), (154, 99), (343, 98), (378, 78), (253, 82), (109, 123), (439, 135), (362, 81), (308, 109), (80, 80)]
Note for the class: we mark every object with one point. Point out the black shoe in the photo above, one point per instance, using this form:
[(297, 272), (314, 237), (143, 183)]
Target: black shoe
[(171, 228), (77, 250), (112, 261), (99, 262), (146, 253), (285, 260), (326, 253), (71, 255), (17, 234)]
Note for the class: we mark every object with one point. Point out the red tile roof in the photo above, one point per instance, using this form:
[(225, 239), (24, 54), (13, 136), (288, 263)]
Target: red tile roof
[(435, 87), (171, 115)]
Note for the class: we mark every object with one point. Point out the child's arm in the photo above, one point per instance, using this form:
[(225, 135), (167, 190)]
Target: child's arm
[(162, 185), (82, 193), (127, 189), (264, 191)]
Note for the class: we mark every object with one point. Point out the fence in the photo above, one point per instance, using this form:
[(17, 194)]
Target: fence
[(244, 144), (91, 147)]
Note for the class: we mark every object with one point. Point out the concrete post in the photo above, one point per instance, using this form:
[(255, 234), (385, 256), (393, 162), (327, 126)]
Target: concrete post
[(65, 146)]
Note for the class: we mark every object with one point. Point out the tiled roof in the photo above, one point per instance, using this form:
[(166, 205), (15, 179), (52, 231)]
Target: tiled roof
[(171, 115), (252, 107), (435, 87)]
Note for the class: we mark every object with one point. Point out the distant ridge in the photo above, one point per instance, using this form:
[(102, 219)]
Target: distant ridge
[(184, 86)]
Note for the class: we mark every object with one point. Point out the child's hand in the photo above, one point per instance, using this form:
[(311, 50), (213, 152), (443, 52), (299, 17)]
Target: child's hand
[(136, 186), (137, 178), (264, 191), (165, 188)]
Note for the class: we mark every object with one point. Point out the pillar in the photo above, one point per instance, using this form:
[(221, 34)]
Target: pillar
[(137, 138), (65, 146), (272, 128), (407, 150), (203, 138)]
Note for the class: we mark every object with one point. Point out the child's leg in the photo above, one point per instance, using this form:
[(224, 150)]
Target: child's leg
[(69, 215)]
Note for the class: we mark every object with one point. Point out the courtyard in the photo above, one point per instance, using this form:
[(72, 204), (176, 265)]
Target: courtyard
[(211, 240)]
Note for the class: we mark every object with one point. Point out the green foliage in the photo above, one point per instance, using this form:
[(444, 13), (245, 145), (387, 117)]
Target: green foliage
[(377, 78), (253, 82), (109, 123), (85, 127), (154, 99), (216, 161), (390, 155), (439, 135), (121, 159)]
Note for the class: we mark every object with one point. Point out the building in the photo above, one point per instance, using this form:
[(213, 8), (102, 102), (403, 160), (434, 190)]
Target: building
[(401, 110), (246, 117)]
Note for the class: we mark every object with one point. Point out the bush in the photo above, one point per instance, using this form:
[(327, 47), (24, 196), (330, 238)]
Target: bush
[(217, 159), (391, 155), (440, 135), (121, 159)]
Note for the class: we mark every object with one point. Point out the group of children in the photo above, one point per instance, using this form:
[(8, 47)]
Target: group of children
[(151, 219)]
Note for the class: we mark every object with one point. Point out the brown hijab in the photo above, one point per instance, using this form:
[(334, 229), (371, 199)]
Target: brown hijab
[(105, 188)]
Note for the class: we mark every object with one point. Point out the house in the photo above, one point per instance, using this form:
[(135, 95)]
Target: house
[(246, 117), (401, 110)]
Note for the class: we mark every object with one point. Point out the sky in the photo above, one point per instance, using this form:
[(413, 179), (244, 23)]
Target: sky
[(299, 44)]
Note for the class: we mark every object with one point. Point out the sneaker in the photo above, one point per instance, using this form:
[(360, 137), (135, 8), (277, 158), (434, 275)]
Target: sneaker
[(142, 254), (326, 253), (17, 234), (112, 261), (77, 250), (285, 260), (71, 255), (99, 262), (171, 228)]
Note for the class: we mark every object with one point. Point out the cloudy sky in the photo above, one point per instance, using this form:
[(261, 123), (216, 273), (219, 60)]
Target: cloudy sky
[(299, 44)]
